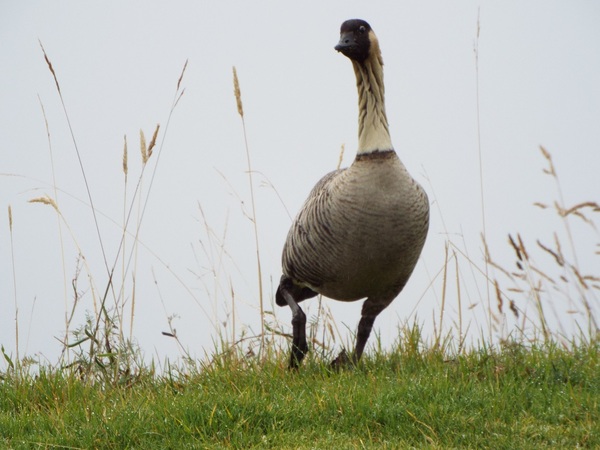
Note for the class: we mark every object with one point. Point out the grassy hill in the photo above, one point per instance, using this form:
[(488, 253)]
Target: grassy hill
[(515, 397)]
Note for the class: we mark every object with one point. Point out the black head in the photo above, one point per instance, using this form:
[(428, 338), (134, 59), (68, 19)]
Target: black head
[(355, 39)]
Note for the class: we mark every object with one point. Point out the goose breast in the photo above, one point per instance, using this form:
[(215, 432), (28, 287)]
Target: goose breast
[(360, 232)]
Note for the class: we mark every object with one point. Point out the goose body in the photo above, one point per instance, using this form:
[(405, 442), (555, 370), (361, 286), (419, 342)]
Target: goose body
[(361, 230)]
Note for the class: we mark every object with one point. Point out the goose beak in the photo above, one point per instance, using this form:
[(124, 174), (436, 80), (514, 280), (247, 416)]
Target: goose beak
[(346, 44)]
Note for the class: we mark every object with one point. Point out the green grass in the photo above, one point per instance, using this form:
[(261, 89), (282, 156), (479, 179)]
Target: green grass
[(516, 397)]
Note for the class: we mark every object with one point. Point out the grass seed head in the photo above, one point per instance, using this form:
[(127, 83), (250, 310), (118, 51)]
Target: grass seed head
[(125, 155), (45, 200), (238, 93), (153, 141), (143, 147), (498, 296)]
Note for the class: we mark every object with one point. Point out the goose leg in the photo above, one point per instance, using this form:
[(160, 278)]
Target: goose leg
[(362, 335), (289, 293), (299, 344), (370, 311)]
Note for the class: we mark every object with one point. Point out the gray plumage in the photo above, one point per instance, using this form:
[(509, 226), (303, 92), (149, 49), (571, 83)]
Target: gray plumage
[(361, 230)]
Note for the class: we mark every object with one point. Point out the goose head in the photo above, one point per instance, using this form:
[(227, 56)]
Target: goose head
[(357, 40)]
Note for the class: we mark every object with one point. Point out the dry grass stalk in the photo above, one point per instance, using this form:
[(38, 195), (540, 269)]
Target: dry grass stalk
[(65, 351), (516, 290), (577, 211), (556, 255), (550, 170), (50, 66), (593, 205), (132, 313), (580, 277), (513, 308), (542, 274), (124, 243), (480, 156), (82, 169), (143, 147), (522, 247), (498, 296), (575, 288), (125, 167), (443, 305), (153, 140), (45, 200), (238, 98), (233, 330), (238, 93), (461, 334), (515, 247), (342, 149), (181, 76), (14, 274), (102, 343)]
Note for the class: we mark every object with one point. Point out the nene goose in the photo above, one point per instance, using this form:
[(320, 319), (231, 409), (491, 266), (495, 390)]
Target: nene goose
[(361, 230)]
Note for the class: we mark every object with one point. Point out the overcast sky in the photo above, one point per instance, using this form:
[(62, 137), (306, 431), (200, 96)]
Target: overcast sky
[(118, 64)]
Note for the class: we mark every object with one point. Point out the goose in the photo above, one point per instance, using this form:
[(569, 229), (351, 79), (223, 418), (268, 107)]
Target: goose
[(361, 230)]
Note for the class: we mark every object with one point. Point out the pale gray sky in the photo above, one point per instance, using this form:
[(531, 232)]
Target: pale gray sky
[(118, 64)]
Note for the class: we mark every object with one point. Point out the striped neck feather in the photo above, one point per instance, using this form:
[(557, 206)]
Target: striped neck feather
[(373, 131)]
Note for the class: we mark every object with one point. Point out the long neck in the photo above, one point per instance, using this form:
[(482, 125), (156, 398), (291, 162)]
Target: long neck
[(373, 132)]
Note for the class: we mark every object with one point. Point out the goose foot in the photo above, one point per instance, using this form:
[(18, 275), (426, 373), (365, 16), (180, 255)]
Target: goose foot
[(343, 361)]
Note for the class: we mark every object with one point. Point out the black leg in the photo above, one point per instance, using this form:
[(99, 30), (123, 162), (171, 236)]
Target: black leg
[(299, 344), (364, 331), (370, 310)]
